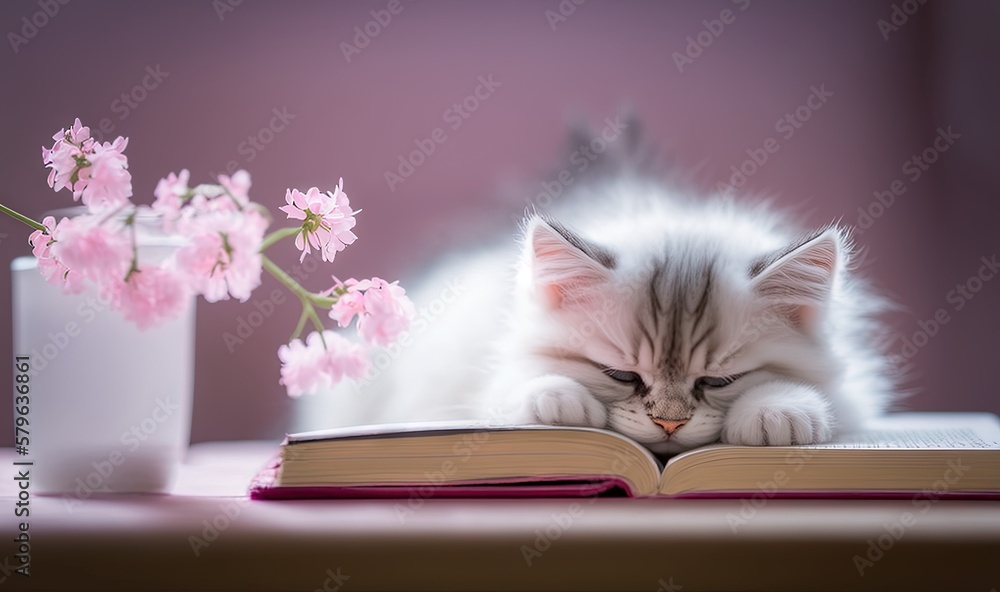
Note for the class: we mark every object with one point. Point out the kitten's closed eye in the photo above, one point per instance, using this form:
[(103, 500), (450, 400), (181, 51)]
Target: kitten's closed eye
[(713, 382), (623, 376)]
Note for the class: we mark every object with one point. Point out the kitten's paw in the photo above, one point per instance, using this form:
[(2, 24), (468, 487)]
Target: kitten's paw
[(779, 414), (558, 400)]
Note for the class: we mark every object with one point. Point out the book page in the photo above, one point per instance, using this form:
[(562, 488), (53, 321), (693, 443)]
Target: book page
[(897, 452), (915, 438), (899, 430), (925, 431)]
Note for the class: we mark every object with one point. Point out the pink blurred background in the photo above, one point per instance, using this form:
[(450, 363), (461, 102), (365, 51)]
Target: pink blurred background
[(226, 69)]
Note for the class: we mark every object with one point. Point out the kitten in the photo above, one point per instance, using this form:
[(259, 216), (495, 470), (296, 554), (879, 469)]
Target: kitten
[(677, 323)]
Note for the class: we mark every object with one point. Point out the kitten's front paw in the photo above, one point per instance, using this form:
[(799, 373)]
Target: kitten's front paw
[(558, 400), (780, 414)]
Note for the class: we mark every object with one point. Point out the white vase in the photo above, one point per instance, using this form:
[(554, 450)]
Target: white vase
[(109, 405)]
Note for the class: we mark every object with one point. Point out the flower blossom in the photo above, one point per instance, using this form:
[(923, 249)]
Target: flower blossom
[(327, 220), (96, 173), (71, 144), (41, 240), (170, 193), (309, 366), (106, 182), (237, 187), (220, 258), (51, 267), (151, 296), (223, 258), (95, 248), (383, 309), (91, 248)]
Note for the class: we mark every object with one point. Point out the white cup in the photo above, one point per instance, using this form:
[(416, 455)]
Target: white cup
[(109, 406)]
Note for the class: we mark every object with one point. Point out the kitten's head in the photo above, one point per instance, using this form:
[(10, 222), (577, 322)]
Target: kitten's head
[(669, 331)]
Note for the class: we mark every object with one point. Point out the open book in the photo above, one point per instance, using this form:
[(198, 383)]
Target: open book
[(906, 454)]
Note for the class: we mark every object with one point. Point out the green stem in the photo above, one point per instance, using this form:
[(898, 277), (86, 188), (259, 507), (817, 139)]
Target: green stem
[(301, 325), (308, 311), (323, 301), (276, 236), (286, 279), (22, 218), (316, 321), (134, 266)]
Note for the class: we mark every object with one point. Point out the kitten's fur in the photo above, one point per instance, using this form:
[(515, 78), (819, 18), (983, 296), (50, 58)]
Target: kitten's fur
[(658, 291)]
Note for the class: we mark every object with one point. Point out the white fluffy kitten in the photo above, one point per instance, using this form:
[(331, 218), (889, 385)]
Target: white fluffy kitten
[(677, 323)]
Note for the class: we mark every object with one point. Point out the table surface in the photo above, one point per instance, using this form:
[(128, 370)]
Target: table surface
[(207, 535)]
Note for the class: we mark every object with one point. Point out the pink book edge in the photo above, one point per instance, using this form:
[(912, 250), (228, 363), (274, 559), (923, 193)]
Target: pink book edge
[(262, 487)]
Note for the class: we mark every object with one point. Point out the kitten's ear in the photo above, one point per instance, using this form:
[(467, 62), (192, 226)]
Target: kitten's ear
[(564, 266), (802, 276)]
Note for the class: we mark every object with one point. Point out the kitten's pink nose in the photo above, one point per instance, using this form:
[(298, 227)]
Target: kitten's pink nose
[(670, 425)]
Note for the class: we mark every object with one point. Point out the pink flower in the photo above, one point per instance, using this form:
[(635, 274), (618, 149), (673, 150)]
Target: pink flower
[(78, 134), (327, 220), (348, 305), (311, 366), (52, 269), (96, 249), (223, 259), (170, 193), (231, 195), (62, 158), (57, 274), (106, 182), (383, 310), (387, 313), (238, 186), (151, 296), (96, 173), (41, 241)]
